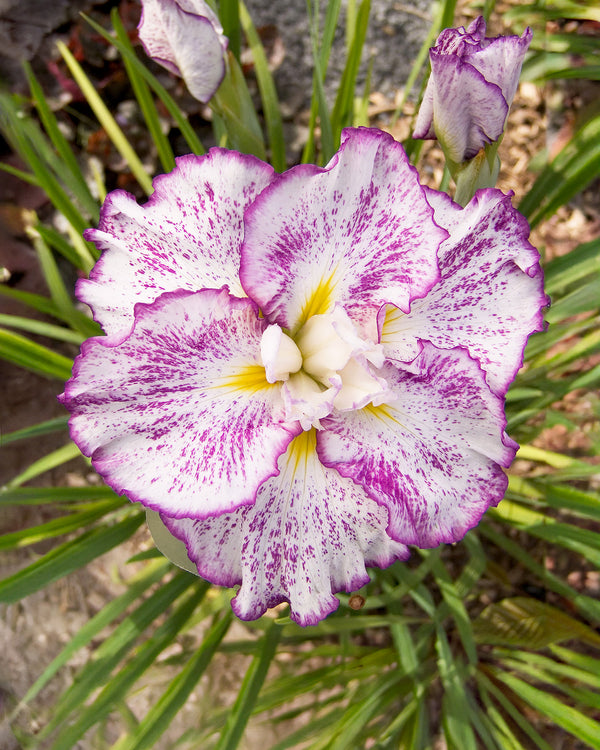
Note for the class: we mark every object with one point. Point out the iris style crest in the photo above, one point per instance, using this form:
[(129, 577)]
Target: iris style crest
[(304, 373), (471, 87)]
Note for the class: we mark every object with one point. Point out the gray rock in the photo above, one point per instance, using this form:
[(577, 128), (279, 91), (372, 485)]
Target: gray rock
[(23, 26), (396, 32)]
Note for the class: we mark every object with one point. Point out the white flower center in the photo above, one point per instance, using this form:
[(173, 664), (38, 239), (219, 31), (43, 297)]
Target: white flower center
[(326, 366)]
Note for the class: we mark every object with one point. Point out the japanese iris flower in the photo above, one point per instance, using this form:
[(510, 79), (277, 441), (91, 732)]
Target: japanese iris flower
[(471, 87), (304, 373), (186, 37)]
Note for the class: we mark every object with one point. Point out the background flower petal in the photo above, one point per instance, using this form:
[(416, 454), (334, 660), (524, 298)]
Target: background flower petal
[(472, 84), (357, 232), (187, 236), (186, 37), (433, 457), (178, 414), (490, 297), (500, 61), (309, 535)]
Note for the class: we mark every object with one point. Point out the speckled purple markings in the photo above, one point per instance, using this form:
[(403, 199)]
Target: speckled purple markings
[(174, 407)]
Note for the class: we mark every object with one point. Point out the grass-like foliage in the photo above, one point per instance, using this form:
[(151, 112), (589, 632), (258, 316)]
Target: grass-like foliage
[(487, 644)]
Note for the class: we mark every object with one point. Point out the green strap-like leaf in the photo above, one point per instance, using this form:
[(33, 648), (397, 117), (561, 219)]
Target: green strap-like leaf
[(569, 172), (249, 690), (40, 328), (115, 691), (105, 119), (144, 98), (35, 357), (47, 306), (73, 174), (32, 145), (58, 424), (575, 722), (457, 730), (229, 15), (156, 721), (343, 109), (187, 131), (454, 600), (79, 253), (515, 713), (57, 495), (67, 557), (50, 461), (114, 648), (585, 604), (58, 526), (268, 92), (136, 587), (528, 623)]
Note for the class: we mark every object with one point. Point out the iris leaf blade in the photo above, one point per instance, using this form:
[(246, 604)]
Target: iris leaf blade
[(268, 92), (74, 175), (57, 495), (249, 690), (342, 112), (115, 691), (110, 652), (57, 526), (141, 91), (455, 603), (229, 15), (457, 731), (106, 120), (50, 426), (568, 173), (38, 327), (567, 717), (180, 118), (68, 557), (513, 711), (25, 353), (44, 305), (154, 724), (136, 587), (585, 604), (28, 141), (51, 460), (81, 255)]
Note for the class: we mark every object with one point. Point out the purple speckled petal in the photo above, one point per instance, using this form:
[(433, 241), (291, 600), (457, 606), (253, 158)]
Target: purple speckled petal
[(187, 236), (468, 111), (178, 414), (490, 297), (451, 42), (309, 535), (500, 61), (358, 232), (186, 37), (476, 29), (433, 457)]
